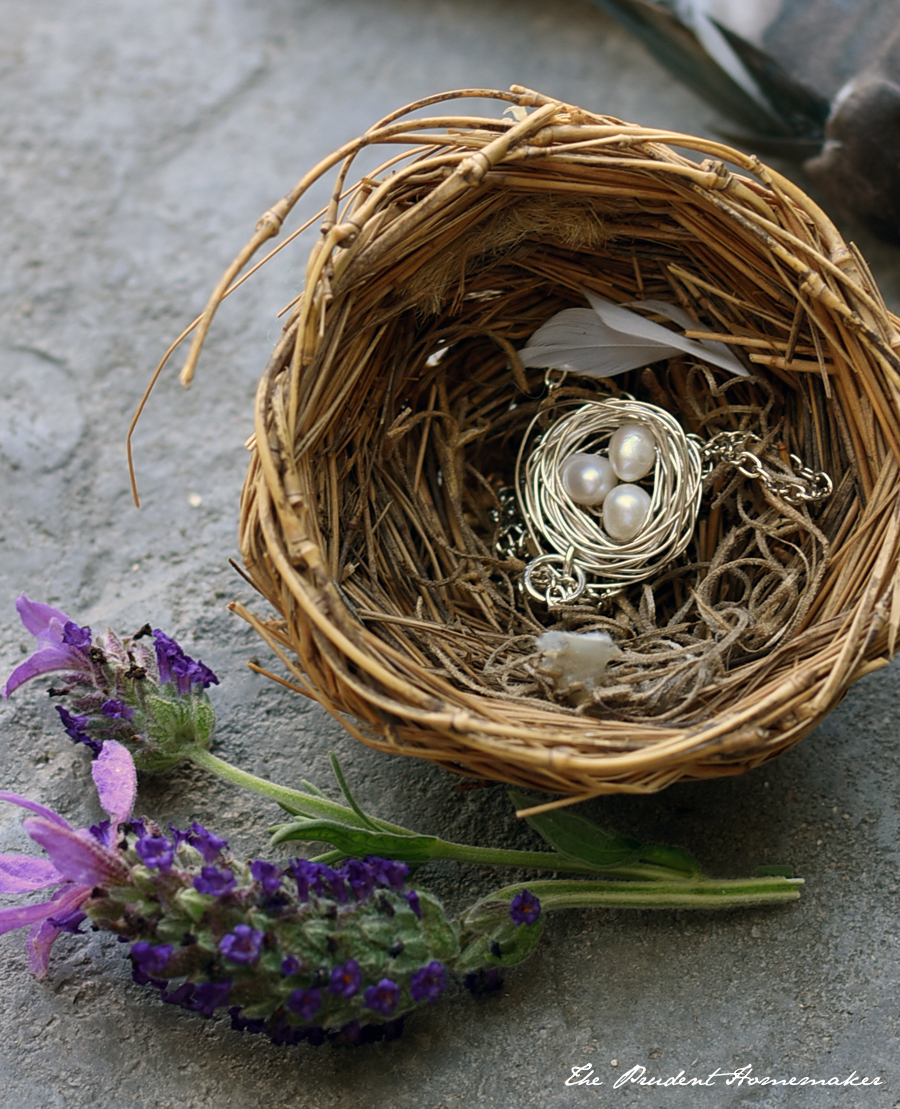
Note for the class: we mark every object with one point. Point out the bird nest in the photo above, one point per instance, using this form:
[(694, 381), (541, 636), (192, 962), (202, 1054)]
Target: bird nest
[(381, 495)]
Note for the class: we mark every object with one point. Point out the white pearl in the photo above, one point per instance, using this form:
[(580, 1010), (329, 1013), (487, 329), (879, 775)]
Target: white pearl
[(587, 478), (632, 452), (625, 511)]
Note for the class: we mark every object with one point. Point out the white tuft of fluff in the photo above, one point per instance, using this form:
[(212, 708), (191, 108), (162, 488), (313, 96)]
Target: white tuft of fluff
[(576, 660)]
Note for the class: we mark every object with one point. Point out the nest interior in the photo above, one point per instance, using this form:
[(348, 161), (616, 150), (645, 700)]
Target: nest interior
[(390, 415)]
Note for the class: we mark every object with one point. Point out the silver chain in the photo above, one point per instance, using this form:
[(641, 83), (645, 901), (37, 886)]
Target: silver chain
[(511, 531), (802, 486)]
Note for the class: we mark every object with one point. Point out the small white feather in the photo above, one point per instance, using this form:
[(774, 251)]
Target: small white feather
[(609, 339)]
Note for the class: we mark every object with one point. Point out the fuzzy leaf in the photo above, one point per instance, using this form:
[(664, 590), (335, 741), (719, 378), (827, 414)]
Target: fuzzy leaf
[(576, 837), (674, 858), (358, 842), (490, 938)]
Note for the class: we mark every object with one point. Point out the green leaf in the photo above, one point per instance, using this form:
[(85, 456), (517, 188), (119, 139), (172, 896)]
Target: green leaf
[(490, 938), (674, 858), (579, 838), (358, 842), (345, 789)]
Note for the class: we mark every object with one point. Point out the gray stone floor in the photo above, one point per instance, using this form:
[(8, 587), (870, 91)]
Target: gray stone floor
[(140, 142)]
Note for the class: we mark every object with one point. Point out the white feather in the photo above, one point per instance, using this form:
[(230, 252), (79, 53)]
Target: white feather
[(608, 339), (745, 18)]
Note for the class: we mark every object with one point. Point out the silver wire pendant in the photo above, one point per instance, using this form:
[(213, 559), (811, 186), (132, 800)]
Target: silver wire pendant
[(577, 490)]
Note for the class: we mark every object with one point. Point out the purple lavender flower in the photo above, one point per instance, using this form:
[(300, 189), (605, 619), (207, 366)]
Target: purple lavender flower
[(388, 872), (150, 699), (150, 959), (306, 1003), (208, 996), (200, 674), (214, 881), (102, 832), (77, 861), (243, 945), (181, 995), (338, 887), (483, 981), (75, 728), (267, 874), (156, 853), (62, 645), (129, 878), (428, 983), (179, 836), (74, 725), (73, 636), (382, 998), (69, 921), (116, 710), (524, 908), (283, 1034), (346, 979), (167, 652), (175, 666), (253, 1025), (310, 876), (359, 877), (207, 843)]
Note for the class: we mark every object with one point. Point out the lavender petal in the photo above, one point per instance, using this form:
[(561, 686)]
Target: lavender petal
[(79, 858), (35, 807), (116, 781), (20, 916), (45, 661), (43, 621), (24, 874)]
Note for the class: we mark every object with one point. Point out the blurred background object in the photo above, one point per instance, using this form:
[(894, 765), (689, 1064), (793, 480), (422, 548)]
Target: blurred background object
[(814, 81)]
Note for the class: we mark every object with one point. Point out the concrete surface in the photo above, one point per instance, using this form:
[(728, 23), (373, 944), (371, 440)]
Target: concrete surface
[(140, 142)]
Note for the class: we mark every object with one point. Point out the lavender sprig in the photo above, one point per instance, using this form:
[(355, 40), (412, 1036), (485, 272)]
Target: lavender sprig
[(152, 698), (298, 950)]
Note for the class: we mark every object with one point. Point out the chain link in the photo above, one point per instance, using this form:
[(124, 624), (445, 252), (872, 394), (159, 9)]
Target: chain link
[(511, 531), (803, 486)]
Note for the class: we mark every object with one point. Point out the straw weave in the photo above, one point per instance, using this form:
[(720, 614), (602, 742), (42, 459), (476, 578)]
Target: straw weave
[(392, 407)]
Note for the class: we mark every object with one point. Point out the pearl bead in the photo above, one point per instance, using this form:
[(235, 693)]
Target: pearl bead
[(632, 452), (625, 511), (587, 478)]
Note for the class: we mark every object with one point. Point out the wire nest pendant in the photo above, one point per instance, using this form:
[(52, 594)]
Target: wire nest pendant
[(393, 409), (575, 535)]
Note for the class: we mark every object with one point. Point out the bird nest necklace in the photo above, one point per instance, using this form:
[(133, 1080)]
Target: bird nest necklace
[(609, 494)]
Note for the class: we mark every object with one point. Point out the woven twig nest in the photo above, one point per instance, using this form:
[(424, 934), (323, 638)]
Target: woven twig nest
[(390, 414)]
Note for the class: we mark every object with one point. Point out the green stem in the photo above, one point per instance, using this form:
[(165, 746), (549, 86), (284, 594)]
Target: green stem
[(484, 856), (299, 802), (293, 800), (696, 894), (542, 860)]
